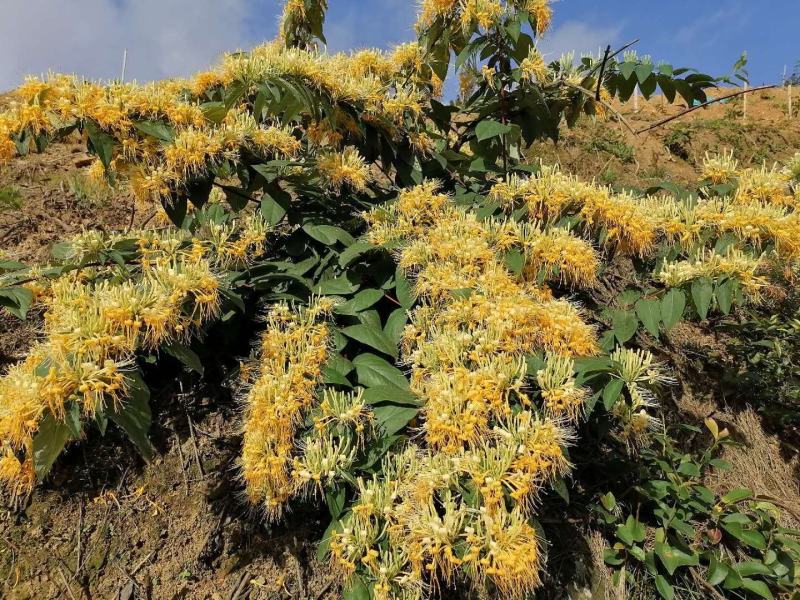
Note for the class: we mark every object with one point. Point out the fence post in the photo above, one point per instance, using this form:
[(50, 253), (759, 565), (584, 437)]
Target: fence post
[(124, 64), (790, 100), (744, 106)]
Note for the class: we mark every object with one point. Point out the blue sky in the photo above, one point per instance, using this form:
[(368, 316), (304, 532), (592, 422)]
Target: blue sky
[(177, 37)]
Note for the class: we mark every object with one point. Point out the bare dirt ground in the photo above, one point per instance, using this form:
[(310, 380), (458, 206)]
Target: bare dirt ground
[(106, 525)]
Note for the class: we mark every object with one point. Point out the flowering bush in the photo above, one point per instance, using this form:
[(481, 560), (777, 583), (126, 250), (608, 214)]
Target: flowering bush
[(425, 361)]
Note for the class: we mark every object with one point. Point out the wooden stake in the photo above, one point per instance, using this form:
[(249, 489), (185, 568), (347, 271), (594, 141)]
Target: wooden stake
[(124, 64), (636, 99), (790, 101)]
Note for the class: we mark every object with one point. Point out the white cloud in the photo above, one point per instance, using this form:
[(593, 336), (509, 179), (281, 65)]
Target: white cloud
[(578, 36), (163, 37)]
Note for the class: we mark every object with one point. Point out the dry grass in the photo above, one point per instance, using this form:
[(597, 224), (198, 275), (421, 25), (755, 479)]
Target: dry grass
[(603, 586), (759, 466)]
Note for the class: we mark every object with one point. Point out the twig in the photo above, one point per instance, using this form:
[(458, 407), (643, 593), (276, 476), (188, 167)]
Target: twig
[(602, 72), (194, 445), (66, 585), (150, 218), (699, 580), (183, 465), (241, 584), (141, 563), (617, 53), (133, 215), (80, 536), (603, 103), (325, 588), (703, 105)]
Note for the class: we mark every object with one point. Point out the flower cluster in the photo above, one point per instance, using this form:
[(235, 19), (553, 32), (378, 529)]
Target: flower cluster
[(93, 326), (163, 135), (414, 527), (277, 463), (482, 15)]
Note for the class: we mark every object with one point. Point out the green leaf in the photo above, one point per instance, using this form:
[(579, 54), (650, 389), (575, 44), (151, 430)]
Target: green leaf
[(672, 558), (672, 306), (404, 291), (271, 210), (664, 587), (186, 355), (724, 296), (396, 324), (361, 301), (353, 251), (214, 111), (335, 500), (157, 129), (133, 414), (717, 571), (611, 393), (48, 443), (17, 300), (649, 313), (702, 294), (736, 495), (372, 337), (625, 324), (357, 590), (102, 143), (328, 234), (757, 587), (488, 128), (392, 418), (750, 537), (338, 286), (373, 371), (378, 394), (631, 532), (324, 547)]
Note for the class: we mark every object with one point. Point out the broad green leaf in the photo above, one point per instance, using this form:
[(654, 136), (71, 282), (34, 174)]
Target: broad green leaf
[(271, 210), (737, 495), (102, 143), (672, 306), (186, 355), (48, 443), (717, 571), (157, 129), (357, 590), (373, 371), (373, 337), (664, 587), (361, 301), (353, 251), (133, 414), (327, 234), (335, 500), (324, 547), (750, 537), (702, 294), (388, 392), (488, 128), (649, 313), (757, 587), (625, 325), (338, 286), (611, 393), (396, 324), (392, 418), (632, 531), (17, 300), (724, 296), (672, 558), (404, 290)]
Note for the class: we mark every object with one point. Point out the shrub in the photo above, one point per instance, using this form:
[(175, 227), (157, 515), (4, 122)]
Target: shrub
[(424, 363)]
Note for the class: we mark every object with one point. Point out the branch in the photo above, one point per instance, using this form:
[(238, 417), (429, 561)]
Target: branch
[(617, 53), (603, 103), (703, 105), (602, 72)]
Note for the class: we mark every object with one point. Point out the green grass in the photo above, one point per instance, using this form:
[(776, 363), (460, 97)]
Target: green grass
[(10, 198)]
